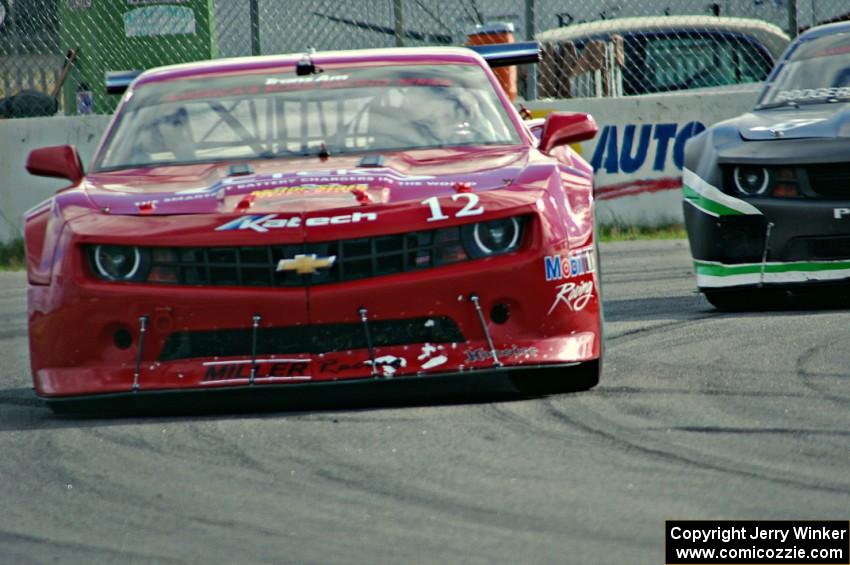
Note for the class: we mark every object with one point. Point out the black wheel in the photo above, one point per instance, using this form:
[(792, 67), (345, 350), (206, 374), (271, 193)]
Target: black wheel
[(750, 300), (557, 381)]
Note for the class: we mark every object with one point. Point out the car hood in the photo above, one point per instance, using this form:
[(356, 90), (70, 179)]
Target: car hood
[(828, 121), (303, 185)]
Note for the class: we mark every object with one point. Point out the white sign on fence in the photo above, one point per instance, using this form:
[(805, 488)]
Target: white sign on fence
[(153, 21)]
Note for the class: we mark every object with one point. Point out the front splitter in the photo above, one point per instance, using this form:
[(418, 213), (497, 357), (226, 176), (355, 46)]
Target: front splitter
[(468, 386)]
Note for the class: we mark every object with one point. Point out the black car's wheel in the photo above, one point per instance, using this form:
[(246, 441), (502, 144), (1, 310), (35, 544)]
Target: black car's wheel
[(571, 379), (745, 300)]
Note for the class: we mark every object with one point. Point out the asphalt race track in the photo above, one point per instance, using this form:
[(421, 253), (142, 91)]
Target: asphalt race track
[(700, 415)]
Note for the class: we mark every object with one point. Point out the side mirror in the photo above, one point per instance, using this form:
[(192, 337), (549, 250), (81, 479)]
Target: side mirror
[(563, 128), (61, 161)]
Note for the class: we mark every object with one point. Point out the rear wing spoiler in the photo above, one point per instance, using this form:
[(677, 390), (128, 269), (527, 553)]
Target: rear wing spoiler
[(508, 54), (496, 55), (117, 82)]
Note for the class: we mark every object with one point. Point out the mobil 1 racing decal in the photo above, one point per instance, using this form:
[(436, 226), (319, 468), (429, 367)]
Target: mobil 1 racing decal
[(573, 294), (269, 222), (577, 263)]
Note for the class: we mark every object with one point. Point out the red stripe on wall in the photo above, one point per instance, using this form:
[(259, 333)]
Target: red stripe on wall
[(634, 188)]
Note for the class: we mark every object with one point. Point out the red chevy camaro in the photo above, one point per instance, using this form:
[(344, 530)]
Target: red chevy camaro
[(255, 226)]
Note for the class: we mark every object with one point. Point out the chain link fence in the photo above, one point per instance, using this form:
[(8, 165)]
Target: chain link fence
[(53, 53)]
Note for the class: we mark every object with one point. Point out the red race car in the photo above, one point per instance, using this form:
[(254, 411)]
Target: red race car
[(253, 226)]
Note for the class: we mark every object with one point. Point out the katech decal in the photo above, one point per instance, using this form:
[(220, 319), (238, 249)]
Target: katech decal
[(513, 352), (264, 223), (560, 267), (573, 296)]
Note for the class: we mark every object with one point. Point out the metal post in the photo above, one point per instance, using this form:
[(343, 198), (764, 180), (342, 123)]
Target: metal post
[(531, 75), (255, 329), (398, 6), (364, 317), (143, 327), (792, 18), (477, 303), (765, 252), (255, 27)]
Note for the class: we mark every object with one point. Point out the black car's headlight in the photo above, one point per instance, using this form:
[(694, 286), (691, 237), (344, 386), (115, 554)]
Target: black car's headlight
[(751, 180), (756, 180), (492, 238), (119, 262)]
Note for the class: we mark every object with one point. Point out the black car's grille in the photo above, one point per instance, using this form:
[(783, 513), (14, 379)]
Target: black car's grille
[(353, 259), (817, 248), (830, 180), (313, 339)]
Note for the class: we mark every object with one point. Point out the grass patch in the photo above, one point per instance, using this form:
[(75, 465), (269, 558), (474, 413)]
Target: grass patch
[(12, 255), (631, 233)]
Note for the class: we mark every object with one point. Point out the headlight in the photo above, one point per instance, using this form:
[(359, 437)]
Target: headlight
[(493, 237), (119, 262), (751, 181)]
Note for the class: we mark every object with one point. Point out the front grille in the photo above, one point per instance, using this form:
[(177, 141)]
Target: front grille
[(830, 180), (354, 259), (321, 338), (817, 248)]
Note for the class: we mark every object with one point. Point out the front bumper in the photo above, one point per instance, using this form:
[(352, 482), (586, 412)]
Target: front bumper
[(86, 335), (788, 243)]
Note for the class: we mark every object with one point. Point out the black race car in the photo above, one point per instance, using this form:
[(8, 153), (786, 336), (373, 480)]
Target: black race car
[(767, 194)]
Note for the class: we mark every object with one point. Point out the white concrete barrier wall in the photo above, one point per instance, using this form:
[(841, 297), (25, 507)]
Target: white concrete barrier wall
[(19, 190), (637, 154)]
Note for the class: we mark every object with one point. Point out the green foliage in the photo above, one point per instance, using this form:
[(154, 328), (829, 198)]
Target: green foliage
[(12, 255), (619, 232)]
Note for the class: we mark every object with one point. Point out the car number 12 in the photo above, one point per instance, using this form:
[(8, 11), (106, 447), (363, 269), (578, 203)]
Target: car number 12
[(470, 209)]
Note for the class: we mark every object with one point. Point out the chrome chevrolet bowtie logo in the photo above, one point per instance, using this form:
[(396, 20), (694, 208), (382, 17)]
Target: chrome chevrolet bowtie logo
[(306, 264)]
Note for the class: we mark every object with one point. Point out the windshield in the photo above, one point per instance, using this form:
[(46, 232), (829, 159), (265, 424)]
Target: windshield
[(341, 110), (817, 72)]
